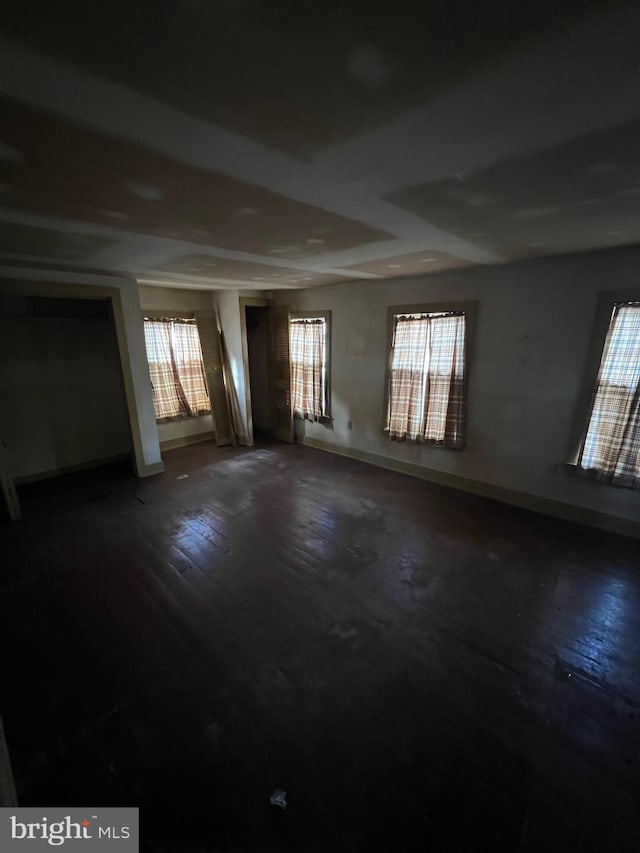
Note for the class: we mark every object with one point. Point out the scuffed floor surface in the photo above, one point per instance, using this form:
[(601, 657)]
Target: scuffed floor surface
[(420, 669)]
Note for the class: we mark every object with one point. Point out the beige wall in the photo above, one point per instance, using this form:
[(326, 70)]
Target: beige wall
[(532, 336)]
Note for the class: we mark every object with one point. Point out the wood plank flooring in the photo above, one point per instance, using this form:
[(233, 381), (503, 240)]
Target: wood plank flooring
[(419, 668)]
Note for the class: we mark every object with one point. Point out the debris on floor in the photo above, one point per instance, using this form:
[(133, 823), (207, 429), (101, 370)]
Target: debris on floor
[(279, 798), (182, 477)]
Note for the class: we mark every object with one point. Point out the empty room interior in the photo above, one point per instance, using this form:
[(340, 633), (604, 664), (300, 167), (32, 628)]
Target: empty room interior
[(320, 423)]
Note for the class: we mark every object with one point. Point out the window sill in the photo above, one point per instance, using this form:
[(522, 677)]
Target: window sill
[(326, 420), (592, 476), (426, 442)]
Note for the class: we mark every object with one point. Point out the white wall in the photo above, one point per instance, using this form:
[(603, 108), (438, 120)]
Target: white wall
[(61, 385), (231, 320), (173, 298), (532, 336)]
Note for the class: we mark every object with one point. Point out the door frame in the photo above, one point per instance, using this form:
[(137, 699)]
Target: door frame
[(112, 294)]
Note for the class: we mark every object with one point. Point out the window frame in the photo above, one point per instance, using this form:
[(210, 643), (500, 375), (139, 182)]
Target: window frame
[(606, 301), (470, 309), (326, 316), (177, 316)]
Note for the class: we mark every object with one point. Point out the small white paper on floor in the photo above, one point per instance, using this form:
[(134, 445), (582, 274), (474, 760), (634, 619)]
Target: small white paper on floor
[(279, 798)]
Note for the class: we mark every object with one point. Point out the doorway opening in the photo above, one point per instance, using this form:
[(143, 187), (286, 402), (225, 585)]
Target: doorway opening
[(61, 371), (258, 326)]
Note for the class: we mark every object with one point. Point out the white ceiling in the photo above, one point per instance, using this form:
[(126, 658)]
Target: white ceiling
[(250, 145)]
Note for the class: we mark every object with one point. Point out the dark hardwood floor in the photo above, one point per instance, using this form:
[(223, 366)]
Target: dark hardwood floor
[(419, 668)]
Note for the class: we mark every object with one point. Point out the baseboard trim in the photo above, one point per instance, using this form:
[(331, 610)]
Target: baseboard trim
[(151, 470), (186, 440), (71, 469), (524, 500)]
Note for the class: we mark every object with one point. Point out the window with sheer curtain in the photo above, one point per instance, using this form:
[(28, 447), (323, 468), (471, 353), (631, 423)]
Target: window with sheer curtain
[(426, 390), (176, 369), (611, 447), (308, 358)]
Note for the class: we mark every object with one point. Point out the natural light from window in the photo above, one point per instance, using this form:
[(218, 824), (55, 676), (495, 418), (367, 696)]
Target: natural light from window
[(426, 381), (308, 356), (176, 369), (611, 446)]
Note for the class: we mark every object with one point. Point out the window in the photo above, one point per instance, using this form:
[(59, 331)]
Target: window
[(308, 353), (426, 384), (176, 369), (611, 447)]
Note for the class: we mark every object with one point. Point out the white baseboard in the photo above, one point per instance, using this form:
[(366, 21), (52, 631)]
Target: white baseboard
[(70, 469), (185, 440)]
